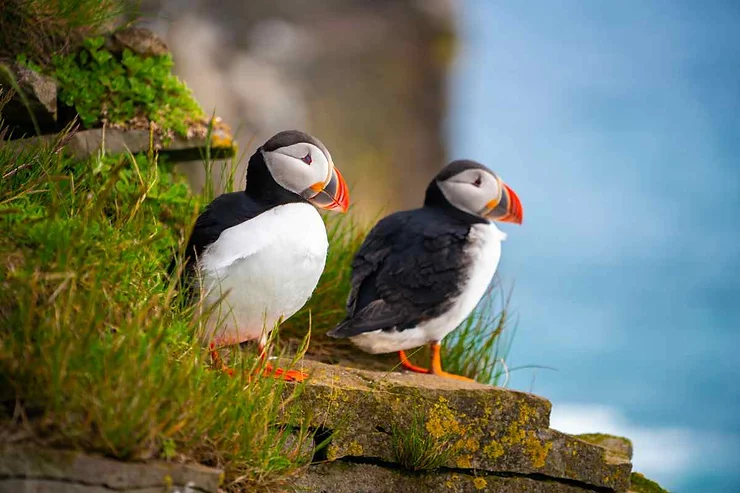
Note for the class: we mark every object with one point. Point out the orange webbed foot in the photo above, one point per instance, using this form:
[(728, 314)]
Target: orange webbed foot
[(436, 364), (283, 374), (444, 374)]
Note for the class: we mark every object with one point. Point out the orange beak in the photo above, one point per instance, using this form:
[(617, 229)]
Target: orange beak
[(333, 195), (508, 209)]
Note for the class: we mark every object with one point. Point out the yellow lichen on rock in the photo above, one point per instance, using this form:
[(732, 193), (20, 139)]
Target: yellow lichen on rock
[(493, 449), (471, 445), (464, 461), (442, 421), (355, 449), (537, 450), (332, 452), (480, 483), (518, 435)]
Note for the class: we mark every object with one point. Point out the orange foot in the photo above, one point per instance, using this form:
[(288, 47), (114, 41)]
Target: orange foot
[(288, 375), (444, 374), (217, 362), (405, 363), (436, 365)]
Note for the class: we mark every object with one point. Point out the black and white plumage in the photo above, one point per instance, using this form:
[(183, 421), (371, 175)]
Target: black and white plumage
[(420, 273), (259, 253)]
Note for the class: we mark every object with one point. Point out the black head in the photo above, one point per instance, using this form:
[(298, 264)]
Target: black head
[(473, 192), (293, 166)]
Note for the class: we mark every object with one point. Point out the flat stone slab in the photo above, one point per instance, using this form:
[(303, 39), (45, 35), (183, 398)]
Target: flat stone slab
[(616, 445), (343, 477), (494, 430), (139, 40), (27, 468), (85, 143)]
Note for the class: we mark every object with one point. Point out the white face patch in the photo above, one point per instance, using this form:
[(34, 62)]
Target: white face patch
[(296, 167), (471, 190)]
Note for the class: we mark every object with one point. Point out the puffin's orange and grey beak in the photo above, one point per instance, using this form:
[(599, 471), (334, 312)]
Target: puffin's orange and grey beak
[(507, 209), (332, 195)]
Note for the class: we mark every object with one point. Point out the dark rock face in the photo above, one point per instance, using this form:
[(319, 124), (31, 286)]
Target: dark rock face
[(38, 98)]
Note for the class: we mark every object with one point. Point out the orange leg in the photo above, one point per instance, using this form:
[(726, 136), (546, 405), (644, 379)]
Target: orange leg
[(405, 363), (437, 364), (267, 370), (218, 362)]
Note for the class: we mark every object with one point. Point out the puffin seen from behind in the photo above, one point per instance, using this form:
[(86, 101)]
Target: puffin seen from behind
[(420, 273), (257, 255)]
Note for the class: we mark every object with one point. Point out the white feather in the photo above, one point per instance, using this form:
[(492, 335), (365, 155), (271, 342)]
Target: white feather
[(265, 269), (484, 249)]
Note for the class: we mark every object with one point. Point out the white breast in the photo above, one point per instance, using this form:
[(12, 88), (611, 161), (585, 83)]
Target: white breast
[(265, 269), (484, 251)]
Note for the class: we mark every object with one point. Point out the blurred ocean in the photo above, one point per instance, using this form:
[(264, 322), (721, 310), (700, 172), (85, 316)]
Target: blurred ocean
[(618, 124)]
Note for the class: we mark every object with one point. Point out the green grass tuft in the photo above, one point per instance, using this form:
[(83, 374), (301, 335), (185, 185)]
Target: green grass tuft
[(416, 449)]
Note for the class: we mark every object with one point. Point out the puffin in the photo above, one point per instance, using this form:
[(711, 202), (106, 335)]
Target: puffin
[(256, 255), (419, 273)]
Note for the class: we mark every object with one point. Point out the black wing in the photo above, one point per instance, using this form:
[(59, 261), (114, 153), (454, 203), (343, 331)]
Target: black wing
[(407, 270), (224, 212)]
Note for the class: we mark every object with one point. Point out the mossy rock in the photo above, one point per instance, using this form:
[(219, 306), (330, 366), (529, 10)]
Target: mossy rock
[(641, 484), (492, 429), (615, 444), (33, 468), (85, 143)]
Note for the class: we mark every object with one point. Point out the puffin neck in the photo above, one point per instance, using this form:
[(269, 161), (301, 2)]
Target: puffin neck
[(435, 198), (262, 187)]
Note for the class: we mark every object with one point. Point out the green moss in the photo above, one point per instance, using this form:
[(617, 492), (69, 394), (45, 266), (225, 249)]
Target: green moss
[(641, 484), (118, 90)]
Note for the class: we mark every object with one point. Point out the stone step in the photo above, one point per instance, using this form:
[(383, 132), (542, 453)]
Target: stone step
[(28, 468), (496, 432), (84, 143)]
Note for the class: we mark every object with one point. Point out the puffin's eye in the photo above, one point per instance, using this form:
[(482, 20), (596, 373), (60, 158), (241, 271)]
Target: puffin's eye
[(307, 159), (478, 181)]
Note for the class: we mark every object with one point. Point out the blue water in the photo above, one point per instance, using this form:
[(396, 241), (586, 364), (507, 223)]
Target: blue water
[(618, 124)]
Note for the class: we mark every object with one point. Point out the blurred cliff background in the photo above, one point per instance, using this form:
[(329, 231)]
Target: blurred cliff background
[(368, 77), (616, 123)]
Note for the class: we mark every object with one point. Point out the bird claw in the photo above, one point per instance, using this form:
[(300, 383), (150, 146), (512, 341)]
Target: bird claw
[(282, 374)]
